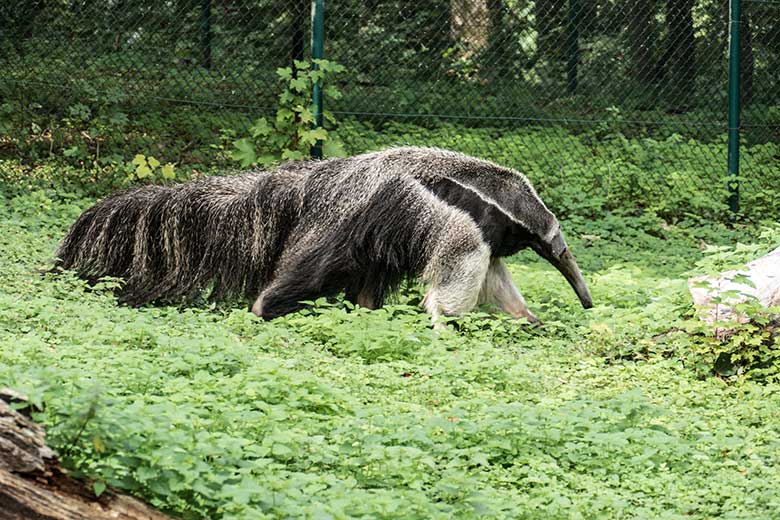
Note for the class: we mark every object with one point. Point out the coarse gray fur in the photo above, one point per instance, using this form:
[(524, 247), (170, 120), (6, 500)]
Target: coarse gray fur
[(313, 228)]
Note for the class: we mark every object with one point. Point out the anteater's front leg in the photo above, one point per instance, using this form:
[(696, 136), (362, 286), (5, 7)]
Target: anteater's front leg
[(456, 274), (500, 290)]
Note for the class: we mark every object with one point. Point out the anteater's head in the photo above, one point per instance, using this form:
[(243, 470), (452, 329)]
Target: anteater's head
[(553, 248), (529, 222)]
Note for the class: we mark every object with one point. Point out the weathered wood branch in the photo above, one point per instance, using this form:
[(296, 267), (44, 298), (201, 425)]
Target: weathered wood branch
[(34, 487), (716, 299)]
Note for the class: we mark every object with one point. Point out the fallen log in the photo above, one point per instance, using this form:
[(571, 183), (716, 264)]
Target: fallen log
[(718, 296), (34, 486)]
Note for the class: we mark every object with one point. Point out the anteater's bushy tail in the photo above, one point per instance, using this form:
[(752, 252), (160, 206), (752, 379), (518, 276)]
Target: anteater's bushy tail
[(172, 242)]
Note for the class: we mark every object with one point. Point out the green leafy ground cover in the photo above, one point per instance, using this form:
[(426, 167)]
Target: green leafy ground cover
[(208, 412)]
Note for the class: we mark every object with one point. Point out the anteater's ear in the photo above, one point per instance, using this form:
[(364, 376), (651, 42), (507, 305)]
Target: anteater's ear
[(555, 241)]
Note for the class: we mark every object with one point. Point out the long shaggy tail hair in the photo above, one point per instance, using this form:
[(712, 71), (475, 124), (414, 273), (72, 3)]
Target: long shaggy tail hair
[(174, 242)]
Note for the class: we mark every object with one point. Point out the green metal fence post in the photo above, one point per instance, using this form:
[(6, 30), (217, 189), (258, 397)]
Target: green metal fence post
[(317, 49), (573, 46), (205, 33), (734, 72)]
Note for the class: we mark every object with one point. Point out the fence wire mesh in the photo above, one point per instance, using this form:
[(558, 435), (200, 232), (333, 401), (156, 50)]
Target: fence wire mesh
[(598, 88)]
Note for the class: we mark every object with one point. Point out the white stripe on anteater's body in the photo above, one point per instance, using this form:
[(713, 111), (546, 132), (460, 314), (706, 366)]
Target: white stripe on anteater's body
[(358, 225), (456, 178)]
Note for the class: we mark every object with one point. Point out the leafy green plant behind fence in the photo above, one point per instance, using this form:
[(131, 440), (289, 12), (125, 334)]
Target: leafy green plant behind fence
[(106, 80), (294, 131)]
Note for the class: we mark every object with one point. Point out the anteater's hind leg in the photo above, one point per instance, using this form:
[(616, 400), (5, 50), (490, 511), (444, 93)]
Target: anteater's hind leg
[(305, 273), (500, 290), (370, 289), (363, 295), (308, 277), (284, 296), (366, 299)]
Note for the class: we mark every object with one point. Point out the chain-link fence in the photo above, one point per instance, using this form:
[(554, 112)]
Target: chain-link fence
[(211, 54), (601, 88)]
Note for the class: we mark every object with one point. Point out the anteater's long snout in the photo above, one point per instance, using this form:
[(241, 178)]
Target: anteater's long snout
[(567, 265)]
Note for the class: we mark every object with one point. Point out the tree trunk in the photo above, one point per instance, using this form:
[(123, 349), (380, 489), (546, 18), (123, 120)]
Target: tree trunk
[(548, 15), (435, 30), (679, 62), (470, 25), (33, 486), (498, 54), (642, 39)]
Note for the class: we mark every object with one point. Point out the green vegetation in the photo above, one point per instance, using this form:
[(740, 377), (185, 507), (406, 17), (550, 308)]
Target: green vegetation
[(615, 109), (629, 410), (600, 170), (294, 132)]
